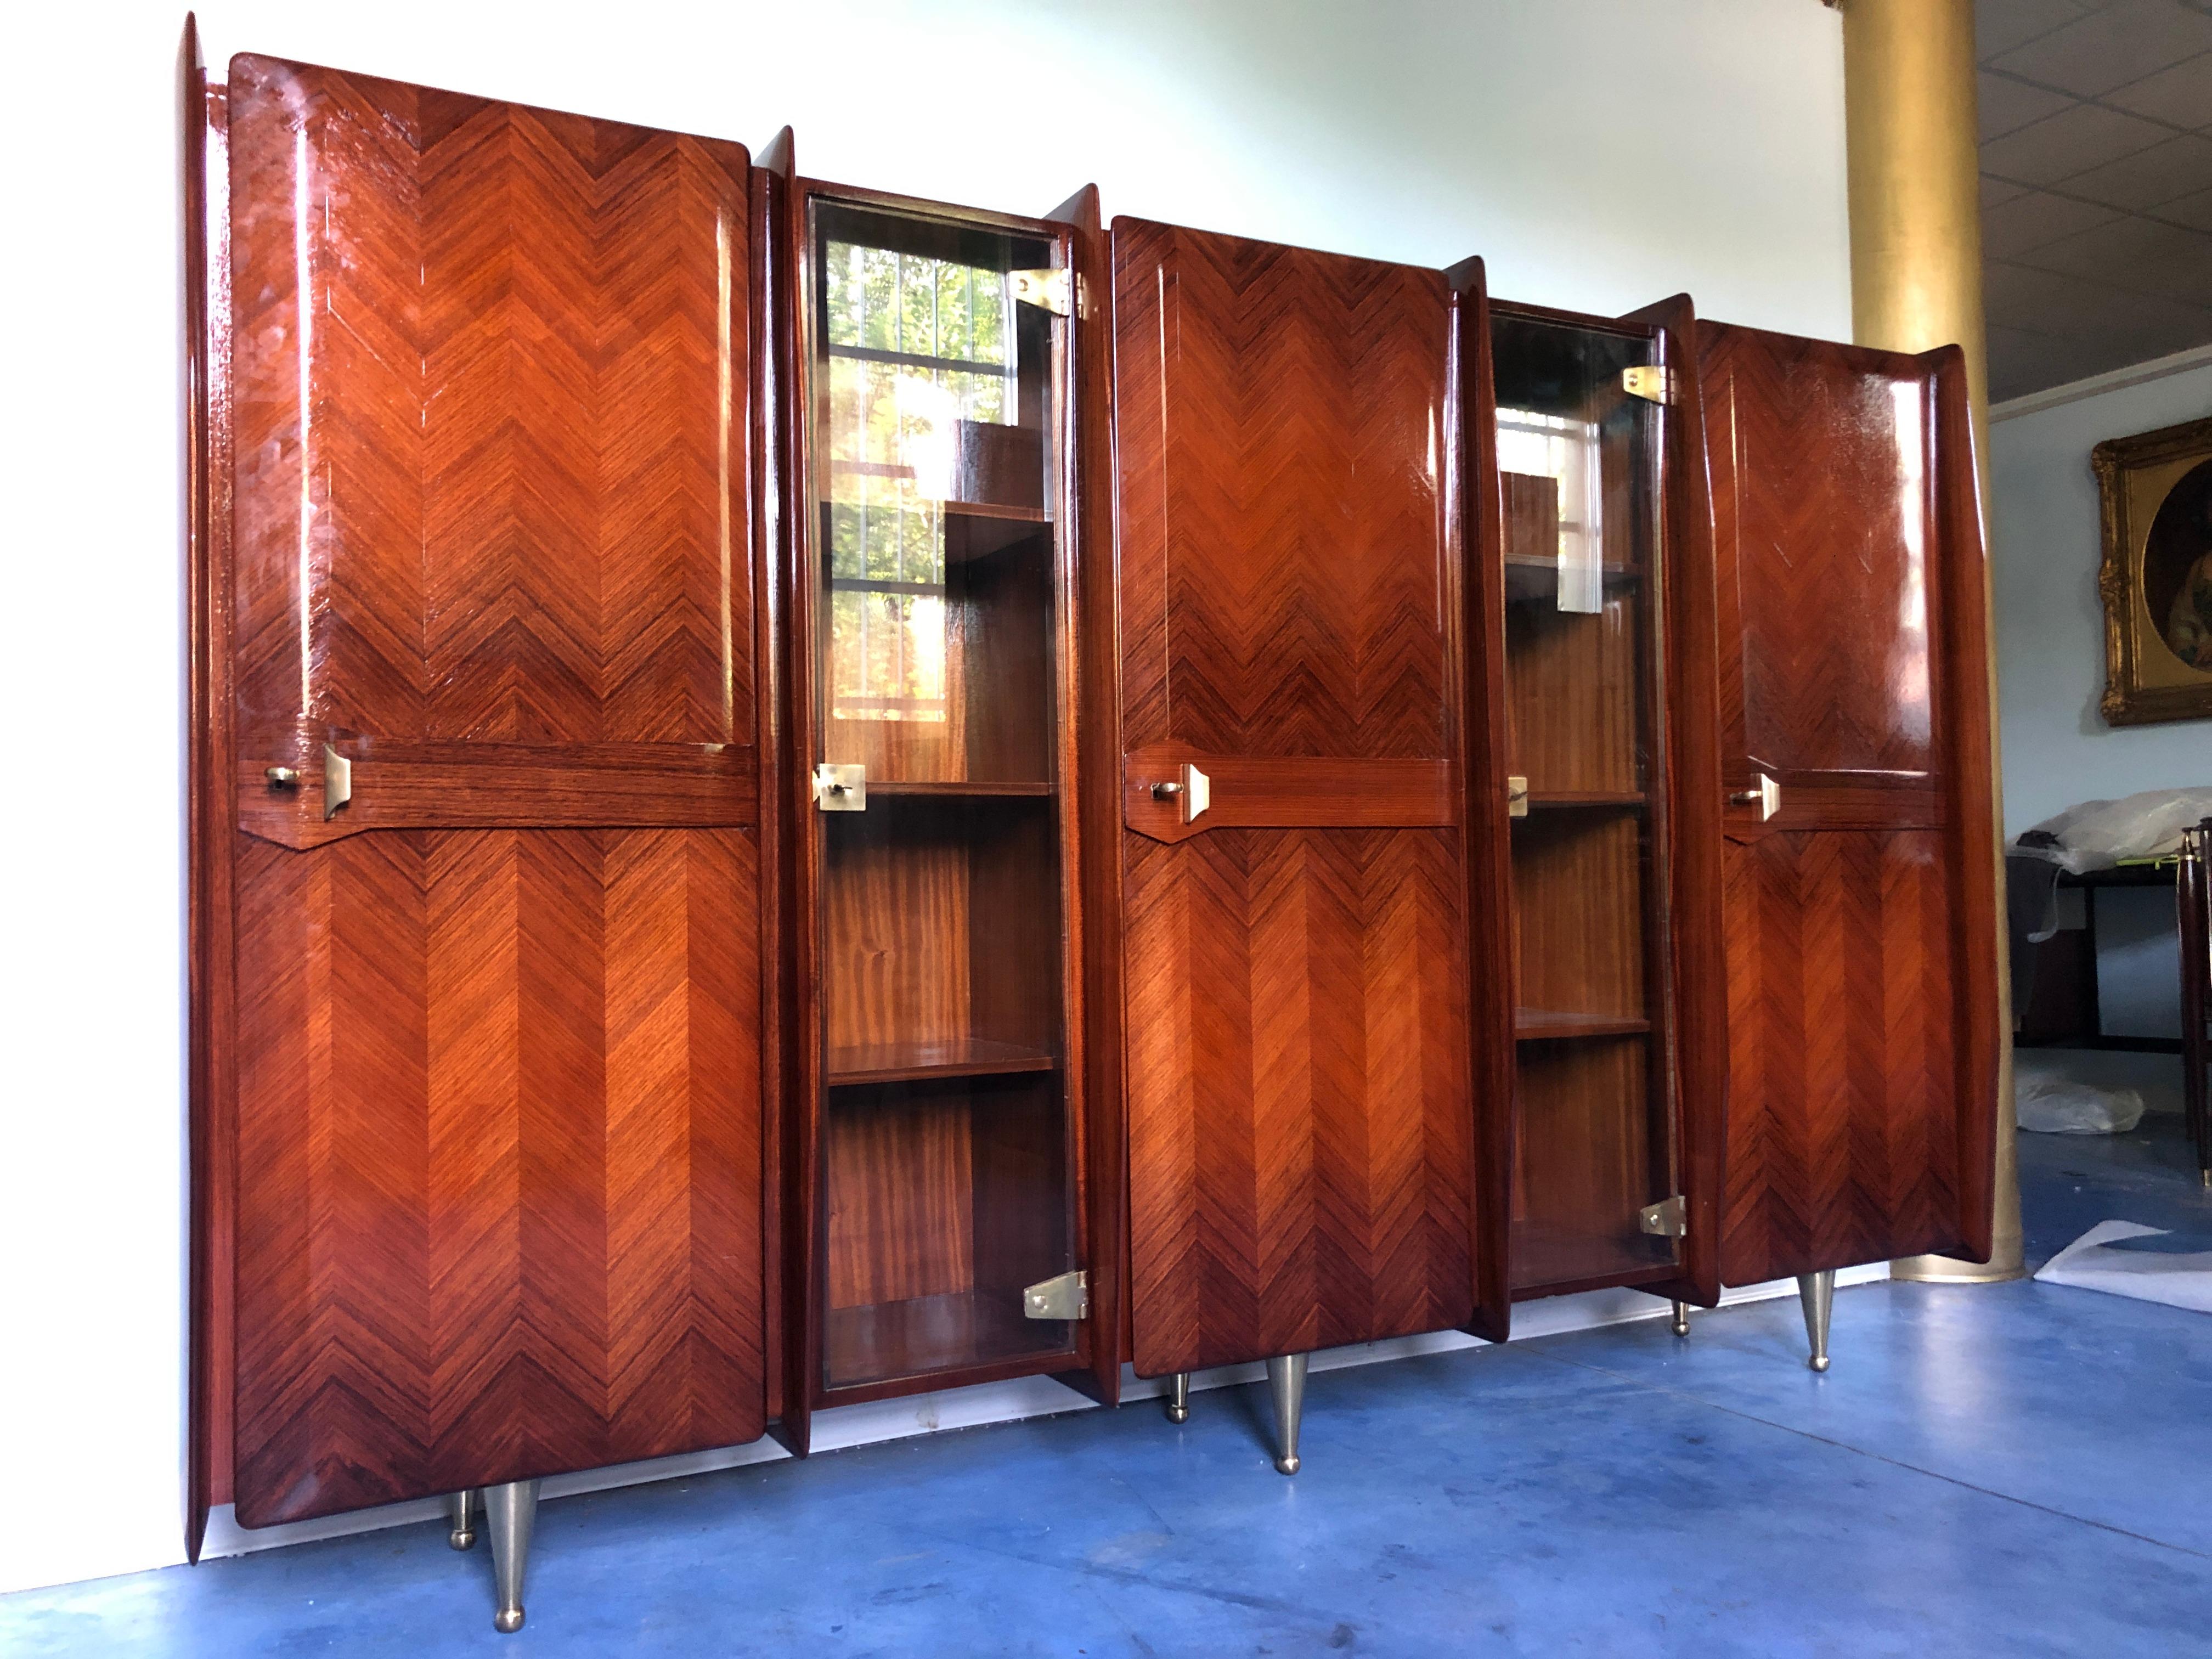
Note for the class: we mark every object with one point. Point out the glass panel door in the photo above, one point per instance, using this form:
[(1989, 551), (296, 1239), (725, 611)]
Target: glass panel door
[(936, 404), (1577, 456)]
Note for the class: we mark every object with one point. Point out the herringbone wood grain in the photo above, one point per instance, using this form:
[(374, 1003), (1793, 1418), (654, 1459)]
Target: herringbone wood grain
[(1300, 1137), (1843, 1087), (498, 1156), (1295, 999), (1862, 1017), (1820, 505)]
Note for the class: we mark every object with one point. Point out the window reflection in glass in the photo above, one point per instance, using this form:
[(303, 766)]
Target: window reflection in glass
[(916, 346)]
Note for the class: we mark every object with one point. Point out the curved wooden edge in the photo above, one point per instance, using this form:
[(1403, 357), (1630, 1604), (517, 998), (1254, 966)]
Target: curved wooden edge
[(1969, 756), (793, 1239), (1485, 743), (404, 785), (1695, 793), (207, 837), (1094, 617), (1266, 792), (772, 516)]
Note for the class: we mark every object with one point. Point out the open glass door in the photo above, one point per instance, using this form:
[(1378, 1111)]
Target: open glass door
[(937, 405), (1578, 437)]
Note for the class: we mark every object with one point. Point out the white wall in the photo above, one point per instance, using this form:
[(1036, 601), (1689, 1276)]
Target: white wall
[(2045, 548), (1600, 154)]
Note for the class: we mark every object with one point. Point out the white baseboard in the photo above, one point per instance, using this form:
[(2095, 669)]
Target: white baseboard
[(992, 1403)]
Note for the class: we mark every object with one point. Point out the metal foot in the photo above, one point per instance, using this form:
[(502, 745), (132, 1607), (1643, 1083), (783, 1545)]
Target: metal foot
[(1680, 1324), (460, 1506), (1818, 1292), (510, 1512), (1286, 1382), (1179, 1397)]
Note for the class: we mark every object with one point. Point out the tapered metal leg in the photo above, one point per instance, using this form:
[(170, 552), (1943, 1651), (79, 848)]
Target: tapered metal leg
[(510, 1513), (1818, 1292), (1286, 1382), (1680, 1324), (1179, 1397), (460, 1508)]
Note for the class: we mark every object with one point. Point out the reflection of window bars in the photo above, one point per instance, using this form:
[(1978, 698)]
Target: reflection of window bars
[(915, 345), (1566, 451)]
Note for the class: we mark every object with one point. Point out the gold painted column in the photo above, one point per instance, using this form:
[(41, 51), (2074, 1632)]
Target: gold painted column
[(1916, 283)]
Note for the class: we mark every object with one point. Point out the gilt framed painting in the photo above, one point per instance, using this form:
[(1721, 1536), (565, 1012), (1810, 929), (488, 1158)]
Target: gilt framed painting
[(2156, 579)]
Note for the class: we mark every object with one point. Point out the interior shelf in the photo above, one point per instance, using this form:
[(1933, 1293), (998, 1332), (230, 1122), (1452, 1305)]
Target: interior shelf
[(900, 1062), (1531, 1025), (876, 1341), (1564, 797), (956, 789)]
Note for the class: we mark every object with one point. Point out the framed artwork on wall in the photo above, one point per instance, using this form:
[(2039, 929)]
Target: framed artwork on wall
[(2156, 578)]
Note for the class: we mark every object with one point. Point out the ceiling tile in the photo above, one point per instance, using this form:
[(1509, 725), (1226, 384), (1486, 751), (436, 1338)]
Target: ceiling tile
[(2029, 221), (1998, 190), (2111, 47), (2001, 25), (2194, 210), (2181, 95), (2024, 363), (2004, 105), (2180, 167), (2071, 141), (2139, 256)]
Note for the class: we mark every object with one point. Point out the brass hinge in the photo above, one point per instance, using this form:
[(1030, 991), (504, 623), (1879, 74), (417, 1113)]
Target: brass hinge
[(1516, 798), (1049, 290), (840, 788), (1648, 382), (1669, 1218), (1065, 1295)]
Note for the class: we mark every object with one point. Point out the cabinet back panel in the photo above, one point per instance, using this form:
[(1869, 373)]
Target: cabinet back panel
[(1572, 688), (1584, 1163), (1578, 896)]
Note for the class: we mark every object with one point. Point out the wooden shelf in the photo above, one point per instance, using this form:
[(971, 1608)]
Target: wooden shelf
[(1557, 798), (1536, 1025), (998, 510), (903, 1062), (882, 1340), (956, 790)]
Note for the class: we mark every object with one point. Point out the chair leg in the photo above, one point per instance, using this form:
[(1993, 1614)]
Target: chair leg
[(510, 1515), (1817, 1292), (1286, 1382), (1179, 1397), (460, 1509)]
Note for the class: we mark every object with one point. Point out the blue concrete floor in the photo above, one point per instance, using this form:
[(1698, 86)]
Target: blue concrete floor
[(2018, 1470)]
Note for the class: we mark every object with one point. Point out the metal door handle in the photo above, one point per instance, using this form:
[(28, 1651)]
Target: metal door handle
[(1767, 798), (1194, 789)]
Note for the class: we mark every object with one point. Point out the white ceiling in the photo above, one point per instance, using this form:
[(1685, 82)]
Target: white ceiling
[(2096, 163)]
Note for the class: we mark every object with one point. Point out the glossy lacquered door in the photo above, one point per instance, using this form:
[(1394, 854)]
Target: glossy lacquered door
[(1294, 961), (496, 873), (1858, 863)]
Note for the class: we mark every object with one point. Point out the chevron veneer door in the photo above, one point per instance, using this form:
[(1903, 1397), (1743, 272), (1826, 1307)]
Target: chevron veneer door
[(499, 935), (1859, 913), (1296, 988)]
